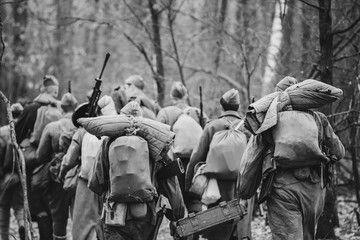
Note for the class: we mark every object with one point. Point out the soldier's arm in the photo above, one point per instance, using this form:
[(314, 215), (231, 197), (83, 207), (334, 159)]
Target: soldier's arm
[(72, 156), (332, 141), (44, 151), (170, 188), (198, 155)]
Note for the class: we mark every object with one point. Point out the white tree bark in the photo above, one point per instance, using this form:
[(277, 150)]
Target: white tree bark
[(273, 49)]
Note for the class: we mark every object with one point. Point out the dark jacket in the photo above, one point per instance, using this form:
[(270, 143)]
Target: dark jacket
[(25, 124)]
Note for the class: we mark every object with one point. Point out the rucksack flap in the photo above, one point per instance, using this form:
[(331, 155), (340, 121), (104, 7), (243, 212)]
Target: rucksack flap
[(130, 171), (225, 153), (89, 149), (187, 134), (296, 138)]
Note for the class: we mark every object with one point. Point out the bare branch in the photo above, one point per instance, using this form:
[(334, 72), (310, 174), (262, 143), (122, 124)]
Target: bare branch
[(346, 57), (141, 50), (348, 28), (312, 5), (12, 2), (139, 20), (221, 76)]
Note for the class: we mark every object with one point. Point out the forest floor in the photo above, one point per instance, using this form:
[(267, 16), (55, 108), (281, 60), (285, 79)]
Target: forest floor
[(348, 230)]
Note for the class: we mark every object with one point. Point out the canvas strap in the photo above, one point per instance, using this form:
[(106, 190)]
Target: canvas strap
[(239, 124)]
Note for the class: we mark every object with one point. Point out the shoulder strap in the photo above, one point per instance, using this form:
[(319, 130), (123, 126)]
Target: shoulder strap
[(238, 125)]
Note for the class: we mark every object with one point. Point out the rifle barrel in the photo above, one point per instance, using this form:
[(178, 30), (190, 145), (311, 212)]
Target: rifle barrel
[(107, 56)]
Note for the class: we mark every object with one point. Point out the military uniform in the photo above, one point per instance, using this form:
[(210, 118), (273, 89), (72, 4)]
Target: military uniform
[(24, 127), (136, 228), (297, 198), (11, 190), (226, 187), (59, 199)]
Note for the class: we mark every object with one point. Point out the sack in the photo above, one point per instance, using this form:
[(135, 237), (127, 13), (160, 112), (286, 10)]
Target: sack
[(211, 193), (71, 179), (89, 149), (40, 180), (250, 172), (130, 176), (45, 114), (199, 181), (225, 153), (29, 152), (187, 134), (296, 138)]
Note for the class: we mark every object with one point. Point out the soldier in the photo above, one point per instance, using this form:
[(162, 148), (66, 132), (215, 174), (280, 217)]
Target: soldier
[(50, 150), (83, 149), (170, 114), (297, 196), (134, 89), (142, 218), (178, 96), (10, 186), (36, 113), (230, 103)]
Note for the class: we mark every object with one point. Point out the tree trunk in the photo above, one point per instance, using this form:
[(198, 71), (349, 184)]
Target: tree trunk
[(159, 76), (13, 80), (328, 219), (219, 32), (63, 41)]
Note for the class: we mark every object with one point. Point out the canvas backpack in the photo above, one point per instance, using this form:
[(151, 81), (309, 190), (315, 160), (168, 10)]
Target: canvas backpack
[(187, 134), (225, 152), (296, 137), (130, 170), (89, 149), (45, 114)]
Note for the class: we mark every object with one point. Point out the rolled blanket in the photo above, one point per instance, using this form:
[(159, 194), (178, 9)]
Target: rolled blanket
[(306, 95), (311, 94), (158, 135)]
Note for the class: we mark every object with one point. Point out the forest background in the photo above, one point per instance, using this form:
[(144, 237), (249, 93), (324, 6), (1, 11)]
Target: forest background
[(216, 44)]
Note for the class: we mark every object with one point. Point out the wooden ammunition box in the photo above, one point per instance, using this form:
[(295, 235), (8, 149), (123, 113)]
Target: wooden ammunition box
[(196, 222)]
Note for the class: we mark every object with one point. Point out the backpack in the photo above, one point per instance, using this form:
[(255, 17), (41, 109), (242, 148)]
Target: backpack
[(225, 153), (45, 114), (296, 138), (130, 170), (89, 149), (187, 134)]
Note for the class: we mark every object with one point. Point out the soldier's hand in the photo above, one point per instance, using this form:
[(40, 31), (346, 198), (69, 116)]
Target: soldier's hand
[(243, 202), (172, 226), (62, 174)]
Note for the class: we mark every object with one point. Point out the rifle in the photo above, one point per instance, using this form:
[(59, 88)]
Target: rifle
[(92, 107), (69, 86), (159, 219), (89, 109), (202, 124)]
